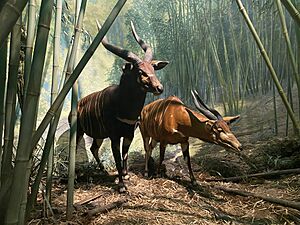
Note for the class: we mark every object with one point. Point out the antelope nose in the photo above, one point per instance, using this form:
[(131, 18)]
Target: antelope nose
[(160, 89)]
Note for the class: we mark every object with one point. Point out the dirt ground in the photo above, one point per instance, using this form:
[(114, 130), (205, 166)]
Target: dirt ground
[(172, 199)]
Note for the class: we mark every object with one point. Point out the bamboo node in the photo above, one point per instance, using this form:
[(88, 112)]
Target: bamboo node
[(78, 29), (47, 27), (33, 93), (263, 51), (68, 73), (29, 46), (21, 160), (51, 113), (7, 139)]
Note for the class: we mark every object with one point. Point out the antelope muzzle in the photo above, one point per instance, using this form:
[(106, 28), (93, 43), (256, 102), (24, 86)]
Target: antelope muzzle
[(230, 141), (156, 87)]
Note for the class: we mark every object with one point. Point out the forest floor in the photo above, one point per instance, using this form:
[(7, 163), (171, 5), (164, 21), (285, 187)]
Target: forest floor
[(173, 200)]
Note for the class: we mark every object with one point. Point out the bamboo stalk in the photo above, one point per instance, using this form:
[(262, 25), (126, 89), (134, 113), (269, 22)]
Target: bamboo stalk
[(29, 41), (54, 92), (82, 63), (290, 99), (275, 111), (2, 3), (50, 138), (270, 67), (9, 15), (292, 10), (10, 116), (297, 39), (289, 47), (73, 125), (3, 67), (72, 151), (24, 152)]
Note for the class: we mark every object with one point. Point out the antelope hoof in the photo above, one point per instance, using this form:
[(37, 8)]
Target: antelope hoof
[(122, 189), (194, 182), (126, 177), (101, 166), (124, 172), (159, 174), (103, 173)]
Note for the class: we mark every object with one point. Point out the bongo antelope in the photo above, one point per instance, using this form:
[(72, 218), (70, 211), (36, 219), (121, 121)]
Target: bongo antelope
[(169, 121), (114, 111)]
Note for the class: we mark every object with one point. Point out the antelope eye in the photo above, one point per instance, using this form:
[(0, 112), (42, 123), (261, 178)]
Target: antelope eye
[(140, 72), (143, 78)]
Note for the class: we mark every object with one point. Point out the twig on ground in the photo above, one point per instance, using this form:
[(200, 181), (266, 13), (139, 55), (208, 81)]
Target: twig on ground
[(282, 202), (85, 201), (106, 208), (263, 174)]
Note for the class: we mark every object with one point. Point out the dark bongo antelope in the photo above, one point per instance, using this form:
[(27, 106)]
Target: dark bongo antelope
[(169, 121), (113, 112)]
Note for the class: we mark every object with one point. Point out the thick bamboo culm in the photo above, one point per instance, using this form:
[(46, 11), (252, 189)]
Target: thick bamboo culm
[(10, 114), (31, 23), (20, 176), (10, 117), (9, 15)]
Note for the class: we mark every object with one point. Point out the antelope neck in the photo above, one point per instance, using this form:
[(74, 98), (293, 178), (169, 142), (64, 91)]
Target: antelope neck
[(131, 103)]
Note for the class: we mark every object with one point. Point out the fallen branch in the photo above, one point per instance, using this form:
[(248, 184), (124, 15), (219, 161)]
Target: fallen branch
[(106, 208), (286, 203), (263, 174), (85, 201)]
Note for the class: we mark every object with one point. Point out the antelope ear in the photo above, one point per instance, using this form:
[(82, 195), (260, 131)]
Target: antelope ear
[(231, 119), (196, 116), (159, 64)]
